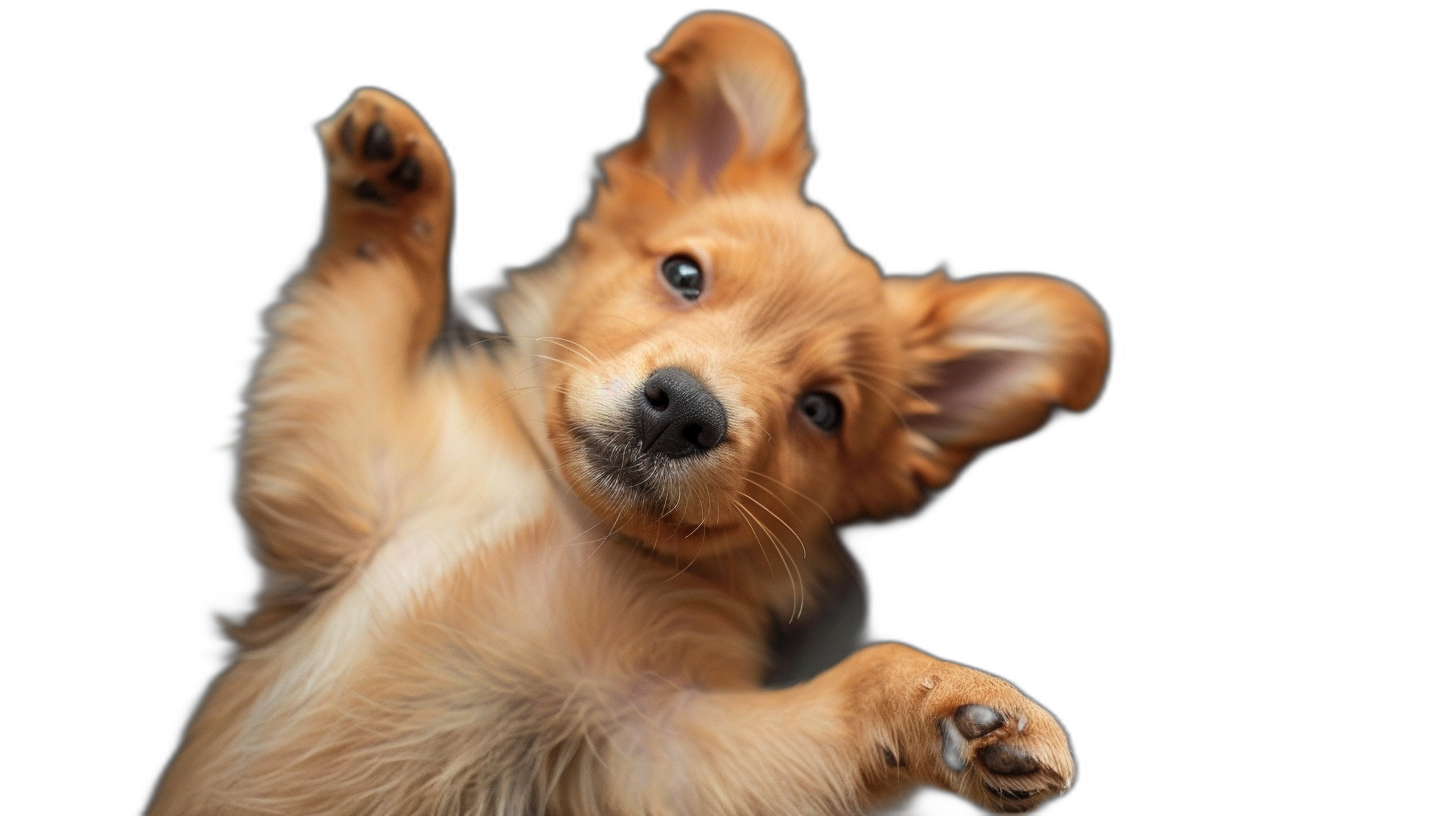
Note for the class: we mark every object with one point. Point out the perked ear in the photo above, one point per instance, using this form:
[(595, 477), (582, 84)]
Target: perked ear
[(989, 358), (728, 111)]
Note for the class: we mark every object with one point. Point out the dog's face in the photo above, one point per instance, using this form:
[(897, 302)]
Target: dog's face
[(726, 370)]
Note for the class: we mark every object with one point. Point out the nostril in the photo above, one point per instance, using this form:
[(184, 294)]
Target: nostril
[(656, 396), (692, 433)]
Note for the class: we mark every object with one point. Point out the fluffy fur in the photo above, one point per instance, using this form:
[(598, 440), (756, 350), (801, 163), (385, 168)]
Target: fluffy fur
[(482, 596)]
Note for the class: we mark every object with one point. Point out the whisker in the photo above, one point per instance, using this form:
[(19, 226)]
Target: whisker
[(611, 531), (896, 411), (743, 512), (570, 541), (792, 490), (771, 493), (797, 590), (501, 399), (633, 322), (690, 563), (882, 378), (571, 366), (586, 360), (587, 351), (787, 526)]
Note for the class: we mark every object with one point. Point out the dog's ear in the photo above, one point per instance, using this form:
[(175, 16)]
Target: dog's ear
[(727, 112), (989, 358)]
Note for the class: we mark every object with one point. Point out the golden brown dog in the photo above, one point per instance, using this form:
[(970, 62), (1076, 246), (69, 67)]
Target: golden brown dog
[(540, 574)]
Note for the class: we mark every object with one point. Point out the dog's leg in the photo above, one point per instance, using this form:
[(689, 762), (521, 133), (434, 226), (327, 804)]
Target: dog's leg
[(887, 718), (349, 337)]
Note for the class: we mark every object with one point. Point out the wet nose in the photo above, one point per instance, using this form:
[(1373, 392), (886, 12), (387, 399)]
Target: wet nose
[(679, 416)]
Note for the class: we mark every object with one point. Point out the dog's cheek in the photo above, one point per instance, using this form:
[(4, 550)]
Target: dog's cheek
[(881, 482)]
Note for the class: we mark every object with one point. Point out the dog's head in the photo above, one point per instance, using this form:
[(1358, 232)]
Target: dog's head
[(723, 365)]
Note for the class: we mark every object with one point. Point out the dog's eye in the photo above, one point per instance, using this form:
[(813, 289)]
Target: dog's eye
[(683, 274), (823, 409)]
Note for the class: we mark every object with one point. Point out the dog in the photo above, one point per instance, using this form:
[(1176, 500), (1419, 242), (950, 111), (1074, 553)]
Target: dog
[(543, 572)]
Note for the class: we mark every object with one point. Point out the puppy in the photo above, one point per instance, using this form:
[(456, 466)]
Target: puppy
[(540, 573)]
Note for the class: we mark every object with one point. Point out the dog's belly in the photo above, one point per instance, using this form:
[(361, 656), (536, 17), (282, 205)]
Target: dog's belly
[(519, 654)]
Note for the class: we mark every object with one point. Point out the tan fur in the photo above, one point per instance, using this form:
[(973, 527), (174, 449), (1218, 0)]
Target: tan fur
[(463, 614)]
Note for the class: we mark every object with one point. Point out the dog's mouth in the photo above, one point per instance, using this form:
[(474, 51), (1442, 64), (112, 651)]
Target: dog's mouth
[(617, 468)]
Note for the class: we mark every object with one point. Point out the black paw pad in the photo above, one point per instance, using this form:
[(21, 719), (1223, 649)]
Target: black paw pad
[(976, 721), (366, 191), (1008, 793), (951, 748), (409, 174), (378, 143), (347, 132), (1007, 760)]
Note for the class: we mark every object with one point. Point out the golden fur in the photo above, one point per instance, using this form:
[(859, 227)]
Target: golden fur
[(466, 613)]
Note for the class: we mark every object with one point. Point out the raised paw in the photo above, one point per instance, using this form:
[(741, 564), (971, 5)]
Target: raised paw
[(960, 729), (386, 166)]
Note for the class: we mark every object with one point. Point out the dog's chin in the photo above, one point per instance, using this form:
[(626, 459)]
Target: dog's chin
[(639, 493)]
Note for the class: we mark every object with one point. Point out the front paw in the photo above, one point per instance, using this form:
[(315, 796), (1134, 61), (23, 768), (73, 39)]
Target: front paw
[(381, 154), (1009, 757), (966, 731)]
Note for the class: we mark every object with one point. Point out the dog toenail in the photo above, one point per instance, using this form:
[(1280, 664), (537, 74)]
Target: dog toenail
[(1008, 793), (1020, 724), (378, 144), (928, 683)]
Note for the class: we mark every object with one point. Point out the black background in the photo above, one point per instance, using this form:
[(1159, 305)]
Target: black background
[(1098, 149)]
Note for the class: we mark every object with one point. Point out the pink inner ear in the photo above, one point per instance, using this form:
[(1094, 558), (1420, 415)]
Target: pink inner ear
[(712, 137), (715, 137), (969, 391)]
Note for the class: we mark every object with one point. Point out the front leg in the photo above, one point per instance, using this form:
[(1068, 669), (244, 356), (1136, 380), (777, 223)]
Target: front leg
[(884, 720), (321, 437)]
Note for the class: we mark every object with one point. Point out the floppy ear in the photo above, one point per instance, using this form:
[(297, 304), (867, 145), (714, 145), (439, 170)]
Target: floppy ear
[(727, 112), (989, 358)]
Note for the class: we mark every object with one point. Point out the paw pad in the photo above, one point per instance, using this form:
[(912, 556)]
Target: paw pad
[(378, 143), (1007, 760), (379, 131), (976, 721)]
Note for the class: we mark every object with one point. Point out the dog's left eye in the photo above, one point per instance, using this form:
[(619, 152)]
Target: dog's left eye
[(823, 409), (683, 274)]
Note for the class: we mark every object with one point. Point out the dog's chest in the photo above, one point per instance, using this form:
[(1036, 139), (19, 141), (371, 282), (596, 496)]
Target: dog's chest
[(476, 504)]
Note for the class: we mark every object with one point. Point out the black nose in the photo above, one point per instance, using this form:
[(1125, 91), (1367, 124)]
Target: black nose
[(679, 416)]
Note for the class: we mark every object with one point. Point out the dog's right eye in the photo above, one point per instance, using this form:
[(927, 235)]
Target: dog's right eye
[(683, 274), (823, 409)]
